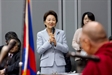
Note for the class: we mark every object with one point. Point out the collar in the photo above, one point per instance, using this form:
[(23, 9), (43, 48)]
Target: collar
[(10, 55)]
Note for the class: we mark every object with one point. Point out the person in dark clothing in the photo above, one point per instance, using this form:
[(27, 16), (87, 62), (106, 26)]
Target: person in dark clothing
[(10, 66), (10, 35), (4, 49)]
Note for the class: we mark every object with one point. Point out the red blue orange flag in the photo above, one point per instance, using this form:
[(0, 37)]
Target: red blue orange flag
[(28, 55)]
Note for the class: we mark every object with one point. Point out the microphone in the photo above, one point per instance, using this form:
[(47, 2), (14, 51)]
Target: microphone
[(53, 30), (89, 57), (58, 33)]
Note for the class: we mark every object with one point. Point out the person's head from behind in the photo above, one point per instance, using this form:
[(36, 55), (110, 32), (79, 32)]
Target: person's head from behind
[(10, 35), (110, 38), (17, 46), (50, 19), (87, 17), (93, 36)]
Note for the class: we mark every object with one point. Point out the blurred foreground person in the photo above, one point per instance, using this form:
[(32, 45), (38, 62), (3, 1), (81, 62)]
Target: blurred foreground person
[(95, 42)]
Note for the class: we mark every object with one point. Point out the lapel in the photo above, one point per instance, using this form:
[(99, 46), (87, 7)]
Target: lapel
[(46, 36), (56, 34)]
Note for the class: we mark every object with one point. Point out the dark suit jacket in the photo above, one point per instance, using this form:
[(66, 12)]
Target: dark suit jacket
[(13, 65), (68, 65)]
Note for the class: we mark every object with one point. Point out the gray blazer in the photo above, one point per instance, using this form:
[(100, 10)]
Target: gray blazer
[(49, 53)]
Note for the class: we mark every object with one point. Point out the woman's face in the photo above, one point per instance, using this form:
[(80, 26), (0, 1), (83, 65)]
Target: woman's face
[(50, 21), (86, 19)]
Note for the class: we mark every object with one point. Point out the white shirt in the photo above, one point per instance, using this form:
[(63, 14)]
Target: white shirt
[(10, 55)]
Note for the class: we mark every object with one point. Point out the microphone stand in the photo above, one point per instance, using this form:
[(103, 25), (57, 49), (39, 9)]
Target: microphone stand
[(88, 57), (53, 30)]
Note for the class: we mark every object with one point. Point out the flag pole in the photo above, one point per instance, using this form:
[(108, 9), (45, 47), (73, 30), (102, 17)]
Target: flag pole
[(21, 63)]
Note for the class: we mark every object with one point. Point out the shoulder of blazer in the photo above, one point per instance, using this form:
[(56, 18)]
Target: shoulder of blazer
[(59, 31), (41, 32)]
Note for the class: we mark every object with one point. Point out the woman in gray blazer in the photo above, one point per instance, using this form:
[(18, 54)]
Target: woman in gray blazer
[(51, 44)]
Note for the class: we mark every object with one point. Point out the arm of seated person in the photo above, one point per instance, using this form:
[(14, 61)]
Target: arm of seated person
[(2, 72), (3, 53), (6, 49)]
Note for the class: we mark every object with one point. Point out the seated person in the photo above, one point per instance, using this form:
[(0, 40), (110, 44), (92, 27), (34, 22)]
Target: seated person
[(4, 49), (95, 42), (10, 65)]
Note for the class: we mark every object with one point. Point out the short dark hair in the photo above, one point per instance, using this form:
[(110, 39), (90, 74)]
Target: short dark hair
[(50, 12), (90, 16), (10, 35), (110, 38)]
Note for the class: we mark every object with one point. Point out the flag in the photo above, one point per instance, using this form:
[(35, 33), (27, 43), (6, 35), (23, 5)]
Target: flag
[(28, 54)]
